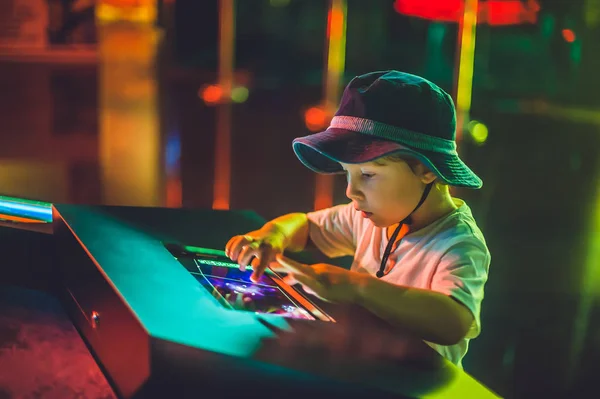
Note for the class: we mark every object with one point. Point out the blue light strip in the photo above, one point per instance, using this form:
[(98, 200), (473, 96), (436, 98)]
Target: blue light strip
[(30, 209)]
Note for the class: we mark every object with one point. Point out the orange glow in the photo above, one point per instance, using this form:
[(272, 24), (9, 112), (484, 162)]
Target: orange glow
[(335, 54), (336, 24), (315, 119), (173, 199), (222, 176), (123, 3), (19, 219), (568, 35), (212, 94), (222, 189), (318, 118), (323, 192), (130, 136)]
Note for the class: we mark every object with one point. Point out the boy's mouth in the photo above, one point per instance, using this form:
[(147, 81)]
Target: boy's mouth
[(364, 214)]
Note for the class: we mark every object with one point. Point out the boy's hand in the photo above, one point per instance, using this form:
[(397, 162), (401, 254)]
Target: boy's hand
[(262, 245), (328, 282)]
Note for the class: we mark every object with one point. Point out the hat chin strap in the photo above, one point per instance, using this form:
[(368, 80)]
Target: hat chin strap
[(406, 220)]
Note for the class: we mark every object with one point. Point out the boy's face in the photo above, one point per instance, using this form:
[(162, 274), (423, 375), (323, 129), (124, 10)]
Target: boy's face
[(385, 191)]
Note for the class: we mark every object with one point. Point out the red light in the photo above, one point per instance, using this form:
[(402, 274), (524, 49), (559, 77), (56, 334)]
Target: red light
[(504, 12), (315, 118), (438, 10), (492, 12), (212, 94), (173, 199), (568, 35)]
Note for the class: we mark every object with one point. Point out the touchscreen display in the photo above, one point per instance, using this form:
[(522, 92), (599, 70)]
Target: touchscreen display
[(234, 289)]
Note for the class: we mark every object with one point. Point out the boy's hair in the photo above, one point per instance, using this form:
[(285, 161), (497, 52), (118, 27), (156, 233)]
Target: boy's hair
[(412, 163)]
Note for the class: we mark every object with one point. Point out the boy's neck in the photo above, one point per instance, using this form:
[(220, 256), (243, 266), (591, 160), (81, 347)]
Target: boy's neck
[(437, 205)]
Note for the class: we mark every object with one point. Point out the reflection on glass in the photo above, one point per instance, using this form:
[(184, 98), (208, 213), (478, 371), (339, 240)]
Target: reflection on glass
[(234, 289)]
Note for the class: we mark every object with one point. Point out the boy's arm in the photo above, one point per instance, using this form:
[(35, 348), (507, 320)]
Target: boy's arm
[(433, 316), (294, 227), (446, 313), (443, 314)]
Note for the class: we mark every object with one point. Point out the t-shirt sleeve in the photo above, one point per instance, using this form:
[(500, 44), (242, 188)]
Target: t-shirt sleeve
[(332, 230), (461, 274)]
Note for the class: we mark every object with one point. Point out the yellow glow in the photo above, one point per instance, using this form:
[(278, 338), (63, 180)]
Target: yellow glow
[(467, 55), (32, 178), (591, 12), (575, 114), (458, 384), (129, 124), (479, 132), (137, 11), (592, 278), (468, 28), (589, 292)]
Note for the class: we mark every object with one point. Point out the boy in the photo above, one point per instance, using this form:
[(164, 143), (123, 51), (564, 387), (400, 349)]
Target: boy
[(420, 261)]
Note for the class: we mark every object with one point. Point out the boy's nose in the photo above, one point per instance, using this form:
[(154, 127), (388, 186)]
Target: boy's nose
[(352, 193)]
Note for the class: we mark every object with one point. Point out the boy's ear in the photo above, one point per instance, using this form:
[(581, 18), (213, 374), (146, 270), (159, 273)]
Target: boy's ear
[(425, 174)]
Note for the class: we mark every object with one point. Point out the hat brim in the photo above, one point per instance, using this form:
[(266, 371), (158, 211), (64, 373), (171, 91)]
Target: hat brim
[(323, 152)]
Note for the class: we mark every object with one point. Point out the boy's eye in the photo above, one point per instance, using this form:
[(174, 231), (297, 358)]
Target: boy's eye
[(368, 175)]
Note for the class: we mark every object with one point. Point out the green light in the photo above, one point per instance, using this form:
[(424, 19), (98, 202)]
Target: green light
[(204, 251), (479, 132), (239, 94)]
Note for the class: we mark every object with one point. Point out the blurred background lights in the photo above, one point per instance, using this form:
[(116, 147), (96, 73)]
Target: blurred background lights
[(239, 94), (217, 94), (568, 35), (315, 119), (479, 132), (211, 94)]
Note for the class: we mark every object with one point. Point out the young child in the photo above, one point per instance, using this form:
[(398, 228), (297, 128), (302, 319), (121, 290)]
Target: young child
[(420, 261)]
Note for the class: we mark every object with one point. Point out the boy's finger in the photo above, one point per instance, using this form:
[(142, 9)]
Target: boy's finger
[(255, 263), (246, 255), (259, 264), (232, 243), (295, 267), (236, 246), (229, 244), (259, 268)]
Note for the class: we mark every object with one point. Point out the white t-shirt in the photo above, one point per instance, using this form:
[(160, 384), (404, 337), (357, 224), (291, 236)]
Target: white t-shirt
[(448, 256)]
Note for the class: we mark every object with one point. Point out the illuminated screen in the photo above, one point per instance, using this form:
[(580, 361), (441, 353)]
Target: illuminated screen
[(234, 289)]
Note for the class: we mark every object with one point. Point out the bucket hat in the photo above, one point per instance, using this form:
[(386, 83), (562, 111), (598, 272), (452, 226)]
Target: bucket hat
[(390, 112)]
